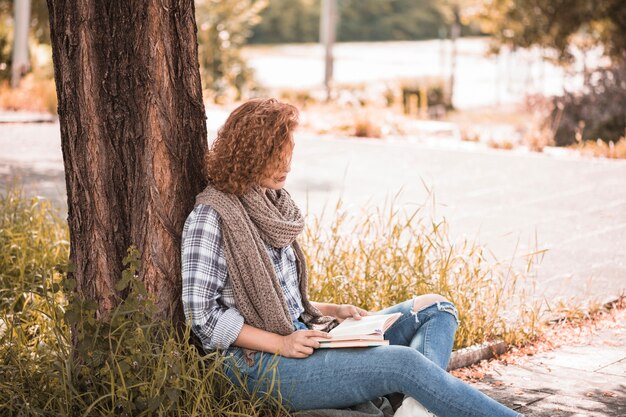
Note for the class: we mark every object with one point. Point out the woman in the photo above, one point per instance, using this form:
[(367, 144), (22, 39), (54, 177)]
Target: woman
[(245, 290)]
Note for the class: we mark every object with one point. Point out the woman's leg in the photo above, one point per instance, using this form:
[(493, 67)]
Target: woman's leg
[(428, 324), (338, 378)]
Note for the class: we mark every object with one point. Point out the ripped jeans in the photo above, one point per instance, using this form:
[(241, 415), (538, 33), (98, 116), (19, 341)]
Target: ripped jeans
[(414, 364)]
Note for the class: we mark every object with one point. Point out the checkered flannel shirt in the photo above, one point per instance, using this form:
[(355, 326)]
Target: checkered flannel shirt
[(208, 297)]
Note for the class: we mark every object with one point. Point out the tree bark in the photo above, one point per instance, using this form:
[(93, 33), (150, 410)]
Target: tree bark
[(133, 135)]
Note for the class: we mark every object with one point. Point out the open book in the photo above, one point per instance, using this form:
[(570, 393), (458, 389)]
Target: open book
[(360, 333)]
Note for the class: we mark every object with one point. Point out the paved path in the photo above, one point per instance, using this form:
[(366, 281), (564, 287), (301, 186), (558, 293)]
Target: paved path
[(513, 202), (572, 381)]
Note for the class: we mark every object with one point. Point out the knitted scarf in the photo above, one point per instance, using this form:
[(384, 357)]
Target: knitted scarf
[(246, 222)]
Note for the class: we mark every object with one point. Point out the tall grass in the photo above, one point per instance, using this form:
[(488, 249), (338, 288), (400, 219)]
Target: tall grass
[(380, 257), (127, 364)]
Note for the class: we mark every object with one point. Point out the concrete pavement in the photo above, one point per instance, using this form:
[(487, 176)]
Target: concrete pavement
[(577, 380)]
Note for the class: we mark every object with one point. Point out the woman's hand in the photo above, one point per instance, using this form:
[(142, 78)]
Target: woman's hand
[(348, 310), (301, 343)]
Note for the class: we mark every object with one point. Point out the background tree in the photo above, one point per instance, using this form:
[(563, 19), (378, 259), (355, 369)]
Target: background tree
[(557, 24), (133, 136), (224, 28), (361, 20), (572, 27), (287, 21), (373, 20), (39, 30)]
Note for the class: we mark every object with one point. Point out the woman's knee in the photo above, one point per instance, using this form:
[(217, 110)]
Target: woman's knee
[(420, 302), (443, 304)]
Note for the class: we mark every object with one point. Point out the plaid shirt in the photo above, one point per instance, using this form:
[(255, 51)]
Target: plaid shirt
[(208, 297)]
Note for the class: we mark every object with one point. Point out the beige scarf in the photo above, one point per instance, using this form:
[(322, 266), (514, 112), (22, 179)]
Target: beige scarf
[(247, 222)]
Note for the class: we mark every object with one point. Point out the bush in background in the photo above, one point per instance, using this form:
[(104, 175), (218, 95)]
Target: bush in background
[(223, 29), (598, 112)]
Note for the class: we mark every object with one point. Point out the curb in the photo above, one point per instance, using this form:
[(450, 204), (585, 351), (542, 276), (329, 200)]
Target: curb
[(473, 354), (26, 117)]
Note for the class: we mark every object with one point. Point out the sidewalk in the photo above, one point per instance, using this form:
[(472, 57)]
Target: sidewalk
[(586, 378)]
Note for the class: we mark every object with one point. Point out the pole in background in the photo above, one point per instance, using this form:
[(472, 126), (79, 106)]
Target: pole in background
[(328, 29), (455, 31), (443, 34), (20, 63)]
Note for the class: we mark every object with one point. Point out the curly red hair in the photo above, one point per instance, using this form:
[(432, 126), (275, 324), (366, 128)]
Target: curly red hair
[(251, 144)]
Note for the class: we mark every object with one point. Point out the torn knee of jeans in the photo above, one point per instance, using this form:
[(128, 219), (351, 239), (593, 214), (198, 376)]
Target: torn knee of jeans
[(442, 305), (426, 300), (414, 314), (414, 311), (449, 308)]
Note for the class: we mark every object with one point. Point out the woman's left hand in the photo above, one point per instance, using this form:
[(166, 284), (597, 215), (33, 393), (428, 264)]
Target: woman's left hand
[(348, 310)]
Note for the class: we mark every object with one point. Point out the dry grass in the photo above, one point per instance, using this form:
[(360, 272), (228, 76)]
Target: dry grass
[(503, 144), (33, 95), (131, 364), (366, 128), (538, 138), (600, 148), (386, 256)]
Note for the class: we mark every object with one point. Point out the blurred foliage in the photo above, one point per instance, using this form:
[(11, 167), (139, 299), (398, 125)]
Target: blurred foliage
[(597, 112), (599, 148), (39, 31), (368, 20), (223, 28), (6, 39), (558, 24), (572, 27), (288, 21), (359, 20)]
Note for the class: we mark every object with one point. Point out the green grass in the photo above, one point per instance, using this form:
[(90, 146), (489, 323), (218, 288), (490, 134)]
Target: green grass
[(130, 364)]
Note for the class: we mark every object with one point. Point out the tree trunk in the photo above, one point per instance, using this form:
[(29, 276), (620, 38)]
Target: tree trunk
[(133, 136)]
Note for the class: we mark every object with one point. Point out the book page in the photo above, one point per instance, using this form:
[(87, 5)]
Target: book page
[(374, 324), (353, 343)]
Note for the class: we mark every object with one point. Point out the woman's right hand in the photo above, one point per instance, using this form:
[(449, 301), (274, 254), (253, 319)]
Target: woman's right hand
[(301, 343)]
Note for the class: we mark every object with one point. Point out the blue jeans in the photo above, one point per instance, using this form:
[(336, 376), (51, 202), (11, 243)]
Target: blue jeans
[(413, 364)]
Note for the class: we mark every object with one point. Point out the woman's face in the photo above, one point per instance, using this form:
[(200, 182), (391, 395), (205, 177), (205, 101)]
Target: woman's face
[(275, 178)]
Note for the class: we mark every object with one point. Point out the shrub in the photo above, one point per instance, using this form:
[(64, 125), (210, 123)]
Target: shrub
[(223, 29), (600, 148), (599, 112), (365, 128)]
